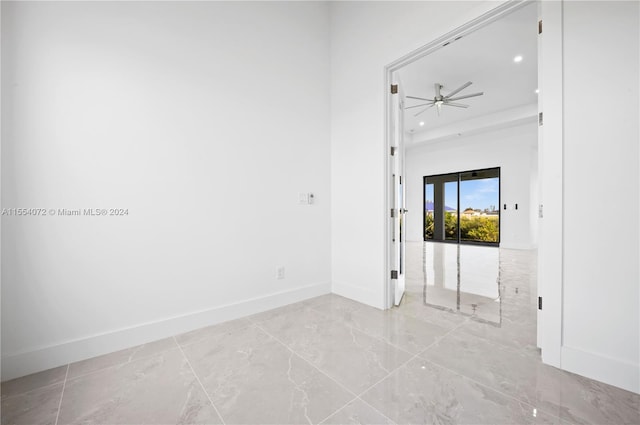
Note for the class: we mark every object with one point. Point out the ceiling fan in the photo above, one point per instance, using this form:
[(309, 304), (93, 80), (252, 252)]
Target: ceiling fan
[(440, 100)]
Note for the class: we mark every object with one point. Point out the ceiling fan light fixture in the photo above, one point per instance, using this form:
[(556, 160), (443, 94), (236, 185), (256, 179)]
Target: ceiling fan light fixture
[(440, 100), (421, 123)]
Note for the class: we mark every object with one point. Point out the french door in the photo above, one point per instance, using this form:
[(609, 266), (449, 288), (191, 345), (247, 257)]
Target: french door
[(397, 194)]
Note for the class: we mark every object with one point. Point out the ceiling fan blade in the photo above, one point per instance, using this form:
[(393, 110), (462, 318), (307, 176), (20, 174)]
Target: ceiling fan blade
[(465, 96), (424, 110), (418, 106), (457, 105), (459, 89), (419, 98), (437, 87)]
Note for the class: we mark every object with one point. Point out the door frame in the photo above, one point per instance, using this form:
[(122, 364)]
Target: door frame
[(550, 148)]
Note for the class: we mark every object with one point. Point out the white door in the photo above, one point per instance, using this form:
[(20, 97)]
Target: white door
[(398, 197)]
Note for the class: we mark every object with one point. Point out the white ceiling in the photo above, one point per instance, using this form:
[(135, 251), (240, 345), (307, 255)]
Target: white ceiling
[(484, 57)]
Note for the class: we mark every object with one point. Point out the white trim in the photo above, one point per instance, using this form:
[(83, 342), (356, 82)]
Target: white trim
[(23, 363), (601, 368), (519, 246), (518, 116), (550, 163)]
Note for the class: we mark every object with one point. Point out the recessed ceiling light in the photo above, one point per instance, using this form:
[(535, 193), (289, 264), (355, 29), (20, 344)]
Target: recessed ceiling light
[(537, 91), (421, 123), (517, 59)]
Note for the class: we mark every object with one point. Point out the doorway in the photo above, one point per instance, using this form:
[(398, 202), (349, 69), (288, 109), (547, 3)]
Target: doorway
[(549, 205), (438, 119)]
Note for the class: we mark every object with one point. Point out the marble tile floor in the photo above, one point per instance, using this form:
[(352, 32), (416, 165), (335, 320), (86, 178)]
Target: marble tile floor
[(330, 360)]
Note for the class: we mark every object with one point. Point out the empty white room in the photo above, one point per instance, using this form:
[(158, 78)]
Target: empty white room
[(320, 212)]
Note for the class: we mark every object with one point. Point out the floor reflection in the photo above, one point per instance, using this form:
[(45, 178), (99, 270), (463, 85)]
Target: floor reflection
[(464, 279), (492, 289)]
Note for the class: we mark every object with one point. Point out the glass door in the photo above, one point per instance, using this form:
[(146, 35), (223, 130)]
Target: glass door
[(463, 207), (441, 207), (480, 206)]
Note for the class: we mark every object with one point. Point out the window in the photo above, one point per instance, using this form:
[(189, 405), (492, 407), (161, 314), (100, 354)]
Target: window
[(463, 207)]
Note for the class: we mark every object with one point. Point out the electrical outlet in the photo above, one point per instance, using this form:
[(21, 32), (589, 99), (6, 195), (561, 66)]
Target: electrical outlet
[(280, 272)]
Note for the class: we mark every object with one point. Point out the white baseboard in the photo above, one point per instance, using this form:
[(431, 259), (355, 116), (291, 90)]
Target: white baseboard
[(518, 246), (24, 363), (522, 246), (358, 293), (601, 368)]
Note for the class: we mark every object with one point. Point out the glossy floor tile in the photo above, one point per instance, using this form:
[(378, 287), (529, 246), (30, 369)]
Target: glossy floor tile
[(521, 372), (252, 378), (153, 390), (403, 331), (358, 412), (39, 406), (353, 358), (447, 355), (31, 382), (423, 393)]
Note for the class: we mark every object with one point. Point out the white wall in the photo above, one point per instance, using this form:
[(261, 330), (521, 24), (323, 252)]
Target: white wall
[(365, 37), (513, 149), (205, 120), (601, 305)]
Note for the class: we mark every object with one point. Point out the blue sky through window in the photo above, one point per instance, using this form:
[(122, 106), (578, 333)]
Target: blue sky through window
[(477, 194)]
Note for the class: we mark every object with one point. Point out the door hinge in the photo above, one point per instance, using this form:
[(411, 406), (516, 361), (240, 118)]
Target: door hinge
[(394, 89), (394, 274), (540, 214), (540, 118), (539, 303), (393, 213), (540, 26), (393, 150)]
